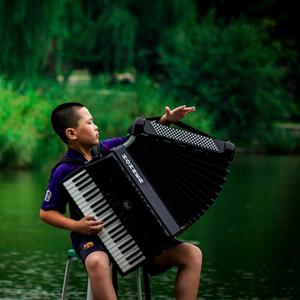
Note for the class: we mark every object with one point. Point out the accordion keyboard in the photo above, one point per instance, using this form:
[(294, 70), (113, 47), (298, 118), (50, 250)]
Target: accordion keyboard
[(118, 241)]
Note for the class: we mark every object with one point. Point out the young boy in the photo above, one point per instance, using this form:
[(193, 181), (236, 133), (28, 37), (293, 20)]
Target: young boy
[(74, 125)]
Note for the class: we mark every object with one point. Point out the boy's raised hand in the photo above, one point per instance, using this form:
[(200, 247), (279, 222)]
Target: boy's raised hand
[(176, 114)]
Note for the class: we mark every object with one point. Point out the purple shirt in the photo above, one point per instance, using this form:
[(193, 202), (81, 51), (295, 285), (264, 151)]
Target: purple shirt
[(56, 198)]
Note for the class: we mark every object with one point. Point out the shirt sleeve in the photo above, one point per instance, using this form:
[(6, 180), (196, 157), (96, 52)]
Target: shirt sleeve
[(108, 144), (56, 197)]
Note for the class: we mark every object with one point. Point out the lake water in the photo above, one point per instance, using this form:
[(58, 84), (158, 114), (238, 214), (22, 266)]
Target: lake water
[(249, 238)]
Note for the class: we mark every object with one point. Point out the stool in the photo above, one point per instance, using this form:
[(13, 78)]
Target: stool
[(71, 254)]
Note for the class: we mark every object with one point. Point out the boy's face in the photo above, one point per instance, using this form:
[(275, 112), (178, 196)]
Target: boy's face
[(86, 131)]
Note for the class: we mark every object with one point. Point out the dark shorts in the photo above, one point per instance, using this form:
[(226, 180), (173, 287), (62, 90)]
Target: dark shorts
[(85, 245)]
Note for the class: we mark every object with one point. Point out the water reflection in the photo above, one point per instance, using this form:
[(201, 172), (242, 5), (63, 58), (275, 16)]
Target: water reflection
[(249, 239)]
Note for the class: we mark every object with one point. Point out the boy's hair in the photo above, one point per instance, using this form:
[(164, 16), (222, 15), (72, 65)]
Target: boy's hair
[(65, 116)]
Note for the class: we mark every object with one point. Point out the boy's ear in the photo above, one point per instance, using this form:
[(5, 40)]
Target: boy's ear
[(71, 134)]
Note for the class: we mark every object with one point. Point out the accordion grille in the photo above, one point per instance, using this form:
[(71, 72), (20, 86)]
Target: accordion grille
[(184, 136)]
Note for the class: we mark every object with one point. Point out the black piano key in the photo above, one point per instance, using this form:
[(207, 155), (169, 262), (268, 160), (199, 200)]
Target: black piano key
[(134, 258), (98, 205), (110, 221), (84, 184), (85, 195), (120, 237), (107, 218), (116, 231), (127, 246), (124, 245), (133, 254), (92, 196), (100, 213), (78, 179)]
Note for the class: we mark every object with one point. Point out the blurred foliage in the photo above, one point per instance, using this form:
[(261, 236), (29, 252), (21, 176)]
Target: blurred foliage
[(96, 36), (231, 71), (26, 136), (26, 32)]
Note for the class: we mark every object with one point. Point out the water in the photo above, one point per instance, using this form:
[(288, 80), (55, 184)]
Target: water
[(249, 238)]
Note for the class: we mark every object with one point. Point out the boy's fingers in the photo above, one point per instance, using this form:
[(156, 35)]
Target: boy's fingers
[(97, 228), (96, 223), (88, 218)]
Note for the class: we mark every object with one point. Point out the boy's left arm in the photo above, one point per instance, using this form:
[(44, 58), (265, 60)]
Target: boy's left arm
[(176, 114)]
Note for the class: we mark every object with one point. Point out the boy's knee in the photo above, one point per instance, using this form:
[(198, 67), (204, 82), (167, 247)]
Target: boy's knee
[(193, 255), (97, 263)]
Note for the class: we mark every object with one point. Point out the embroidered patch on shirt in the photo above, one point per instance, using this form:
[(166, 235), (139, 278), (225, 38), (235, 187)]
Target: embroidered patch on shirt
[(88, 245), (48, 196)]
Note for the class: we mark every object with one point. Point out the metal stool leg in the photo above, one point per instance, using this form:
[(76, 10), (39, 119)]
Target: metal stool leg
[(146, 284), (89, 295), (71, 256), (138, 275), (139, 284)]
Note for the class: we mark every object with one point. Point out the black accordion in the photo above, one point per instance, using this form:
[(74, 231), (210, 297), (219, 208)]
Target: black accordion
[(151, 188)]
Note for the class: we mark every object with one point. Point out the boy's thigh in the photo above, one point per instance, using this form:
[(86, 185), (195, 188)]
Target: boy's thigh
[(179, 255)]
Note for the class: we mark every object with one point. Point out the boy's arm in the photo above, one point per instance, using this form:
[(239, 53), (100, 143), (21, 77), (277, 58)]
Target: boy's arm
[(176, 114), (87, 225)]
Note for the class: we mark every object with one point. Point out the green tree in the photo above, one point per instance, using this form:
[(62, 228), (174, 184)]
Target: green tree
[(98, 35), (232, 71), (153, 19), (26, 31)]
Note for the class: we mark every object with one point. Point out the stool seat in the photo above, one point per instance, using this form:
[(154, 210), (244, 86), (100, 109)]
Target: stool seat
[(71, 253)]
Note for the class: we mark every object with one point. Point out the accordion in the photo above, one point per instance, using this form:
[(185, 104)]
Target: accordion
[(150, 189)]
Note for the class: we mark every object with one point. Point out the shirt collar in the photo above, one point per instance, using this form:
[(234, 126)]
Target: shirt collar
[(71, 153)]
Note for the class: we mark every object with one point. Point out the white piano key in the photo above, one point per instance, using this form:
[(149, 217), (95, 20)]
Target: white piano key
[(125, 239), (112, 245), (88, 212), (133, 258), (88, 188), (98, 198), (70, 181), (126, 248), (100, 207), (107, 212), (83, 181)]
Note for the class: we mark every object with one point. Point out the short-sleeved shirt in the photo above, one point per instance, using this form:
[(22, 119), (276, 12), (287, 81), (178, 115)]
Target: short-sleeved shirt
[(56, 198)]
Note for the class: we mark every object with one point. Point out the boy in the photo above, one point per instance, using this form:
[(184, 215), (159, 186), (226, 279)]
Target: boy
[(74, 125)]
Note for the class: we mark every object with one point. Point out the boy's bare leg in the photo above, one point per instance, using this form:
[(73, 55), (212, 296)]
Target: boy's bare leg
[(98, 268), (188, 259)]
